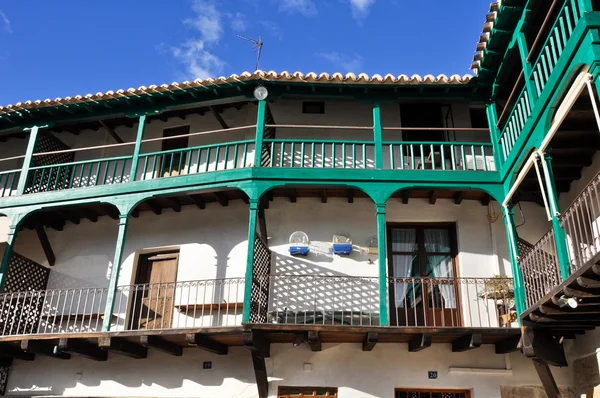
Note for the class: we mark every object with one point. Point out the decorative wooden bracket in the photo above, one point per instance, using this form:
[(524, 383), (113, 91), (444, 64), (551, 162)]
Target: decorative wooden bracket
[(420, 342), (123, 347), (466, 342), (369, 341), (81, 348), (540, 345), (205, 343), (42, 347), (314, 340), (160, 344)]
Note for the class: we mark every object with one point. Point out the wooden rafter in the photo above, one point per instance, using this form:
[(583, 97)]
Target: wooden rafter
[(218, 117), (198, 201), (81, 348), (123, 346), (42, 347), (369, 341), (112, 132), (160, 344), (206, 343), (221, 198), (420, 342), (467, 342), (45, 242)]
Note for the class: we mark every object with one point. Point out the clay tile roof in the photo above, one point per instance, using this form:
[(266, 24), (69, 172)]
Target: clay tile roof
[(259, 75), (488, 26)]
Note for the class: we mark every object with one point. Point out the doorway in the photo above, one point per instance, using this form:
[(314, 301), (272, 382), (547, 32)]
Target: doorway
[(173, 163), (424, 290), (154, 292)]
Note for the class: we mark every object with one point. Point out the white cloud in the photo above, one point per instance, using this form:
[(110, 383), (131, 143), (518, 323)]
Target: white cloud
[(360, 8), (347, 63), (304, 7), (273, 29), (239, 23), (195, 54), (6, 22)]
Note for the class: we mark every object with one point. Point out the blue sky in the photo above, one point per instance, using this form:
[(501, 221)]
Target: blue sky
[(52, 49)]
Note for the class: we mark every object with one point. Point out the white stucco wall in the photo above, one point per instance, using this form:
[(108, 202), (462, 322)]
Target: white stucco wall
[(355, 373)]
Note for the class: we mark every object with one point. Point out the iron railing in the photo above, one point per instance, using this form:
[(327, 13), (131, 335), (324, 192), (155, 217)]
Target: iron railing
[(541, 269), (189, 304), (581, 222)]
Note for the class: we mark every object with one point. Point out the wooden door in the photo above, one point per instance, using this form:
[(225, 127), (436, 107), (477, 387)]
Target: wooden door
[(152, 306), (173, 164)]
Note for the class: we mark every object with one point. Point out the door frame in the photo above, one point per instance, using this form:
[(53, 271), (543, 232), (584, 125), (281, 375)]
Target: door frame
[(420, 226), (141, 260)]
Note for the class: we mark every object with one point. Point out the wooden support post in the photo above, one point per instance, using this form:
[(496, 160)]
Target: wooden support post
[(27, 160), (432, 197), (420, 342), (513, 249), (383, 282), (350, 195), (260, 131), (259, 349), (81, 348), (378, 136), (124, 347), (262, 224), (160, 344), (323, 195), (466, 342), (250, 260), (137, 147), (205, 343), (369, 341), (508, 345), (545, 375), (492, 118), (527, 69), (114, 275), (45, 242), (42, 347), (15, 352), (405, 196), (459, 197), (314, 341)]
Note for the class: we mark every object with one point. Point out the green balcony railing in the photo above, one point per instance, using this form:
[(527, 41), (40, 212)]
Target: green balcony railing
[(542, 68), (8, 182), (198, 159), (301, 153), (472, 156)]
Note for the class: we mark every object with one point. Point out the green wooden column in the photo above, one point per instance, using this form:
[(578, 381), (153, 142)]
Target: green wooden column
[(585, 5), (114, 275), (513, 251), (562, 250), (527, 69), (378, 136), (15, 220), (260, 132), (383, 281), (137, 147), (492, 117), (250, 259), (27, 160)]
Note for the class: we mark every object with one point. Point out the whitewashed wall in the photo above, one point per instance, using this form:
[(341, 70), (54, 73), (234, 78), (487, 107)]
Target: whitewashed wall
[(355, 373)]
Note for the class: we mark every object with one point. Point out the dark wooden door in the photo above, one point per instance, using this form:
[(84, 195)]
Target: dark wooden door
[(155, 291), (173, 164)]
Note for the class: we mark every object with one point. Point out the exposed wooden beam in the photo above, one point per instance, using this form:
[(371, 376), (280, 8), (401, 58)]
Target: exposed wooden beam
[(293, 195), (323, 195), (15, 352), (370, 341), (160, 344), (156, 209), (545, 375), (419, 342), (314, 341), (459, 196), (259, 349), (221, 198), (45, 242), (466, 342), (81, 348), (112, 132), (508, 345), (205, 343), (89, 214), (123, 347), (67, 216), (432, 197), (198, 201), (405, 196), (173, 204), (540, 345), (350, 195), (112, 212), (485, 200), (218, 117), (42, 347), (135, 213)]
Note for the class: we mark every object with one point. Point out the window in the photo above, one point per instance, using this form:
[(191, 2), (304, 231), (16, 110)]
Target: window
[(418, 393), (315, 107), (478, 118), (297, 392)]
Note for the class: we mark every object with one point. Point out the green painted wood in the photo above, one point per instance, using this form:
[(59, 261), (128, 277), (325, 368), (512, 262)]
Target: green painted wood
[(260, 132), (378, 136), (562, 251), (138, 146), (527, 68), (513, 248), (114, 275), (250, 259), (15, 224), (27, 160), (383, 281)]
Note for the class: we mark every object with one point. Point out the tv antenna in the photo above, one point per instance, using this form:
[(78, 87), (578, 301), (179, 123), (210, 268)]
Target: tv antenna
[(257, 46)]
